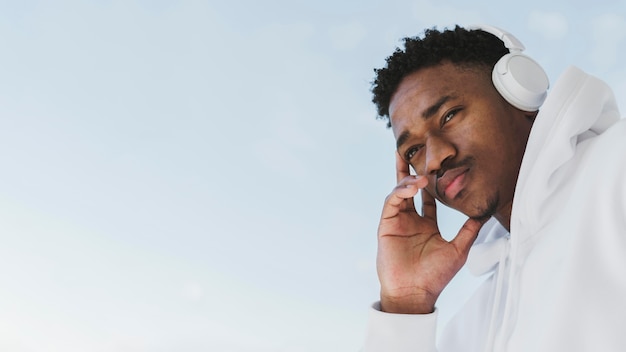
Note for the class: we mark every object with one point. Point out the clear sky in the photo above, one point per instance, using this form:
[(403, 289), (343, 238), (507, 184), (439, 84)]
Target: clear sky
[(208, 175)]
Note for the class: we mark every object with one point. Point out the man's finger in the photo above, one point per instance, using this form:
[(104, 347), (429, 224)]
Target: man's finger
[(467, 235), (429, 206), (401, 198), (402, 168)]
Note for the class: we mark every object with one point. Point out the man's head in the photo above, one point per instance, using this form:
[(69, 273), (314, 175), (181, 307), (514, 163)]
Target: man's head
[(449, 121), (458, 46)]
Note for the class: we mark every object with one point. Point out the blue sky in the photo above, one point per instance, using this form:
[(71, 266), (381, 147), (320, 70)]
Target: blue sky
[(208, 175)]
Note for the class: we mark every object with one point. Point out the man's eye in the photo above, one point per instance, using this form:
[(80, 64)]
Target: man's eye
[(410, 153), (449, 116)]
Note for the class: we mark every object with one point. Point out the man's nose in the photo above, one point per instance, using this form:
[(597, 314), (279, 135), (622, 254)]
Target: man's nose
[(438, 150)]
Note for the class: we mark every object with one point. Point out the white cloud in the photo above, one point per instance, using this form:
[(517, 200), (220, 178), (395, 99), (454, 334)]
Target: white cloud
[(551, 25)]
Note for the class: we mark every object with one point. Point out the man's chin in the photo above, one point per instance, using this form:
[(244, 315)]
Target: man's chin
[(479, 212)]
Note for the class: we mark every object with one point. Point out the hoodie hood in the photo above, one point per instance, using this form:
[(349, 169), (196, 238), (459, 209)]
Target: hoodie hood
[(579, 107)]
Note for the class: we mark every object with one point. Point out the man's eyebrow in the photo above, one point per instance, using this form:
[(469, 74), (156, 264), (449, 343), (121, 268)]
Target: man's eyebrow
[(428, 113), (402, 138)]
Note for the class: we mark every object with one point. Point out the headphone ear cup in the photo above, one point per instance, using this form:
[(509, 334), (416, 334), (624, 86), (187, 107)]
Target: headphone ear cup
[(521, 81)]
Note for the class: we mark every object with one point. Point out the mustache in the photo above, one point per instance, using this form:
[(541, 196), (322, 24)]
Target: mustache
[(452, 164)]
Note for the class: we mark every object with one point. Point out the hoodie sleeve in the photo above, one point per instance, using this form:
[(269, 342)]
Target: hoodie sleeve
[(400, 332)]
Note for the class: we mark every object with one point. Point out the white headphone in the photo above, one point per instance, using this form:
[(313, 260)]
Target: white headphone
[(519, 79)]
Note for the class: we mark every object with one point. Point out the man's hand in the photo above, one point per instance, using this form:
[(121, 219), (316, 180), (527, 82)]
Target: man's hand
[(414, 262)]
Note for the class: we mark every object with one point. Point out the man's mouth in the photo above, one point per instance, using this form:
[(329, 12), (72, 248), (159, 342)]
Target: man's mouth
[(451, 183)]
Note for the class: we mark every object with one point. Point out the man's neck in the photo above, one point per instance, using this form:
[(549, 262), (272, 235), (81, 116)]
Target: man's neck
[(503, 215)]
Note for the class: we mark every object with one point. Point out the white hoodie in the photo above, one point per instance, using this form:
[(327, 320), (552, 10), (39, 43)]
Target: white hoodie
[(559, 278)]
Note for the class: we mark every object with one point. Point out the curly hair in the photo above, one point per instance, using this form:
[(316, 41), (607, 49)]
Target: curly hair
[(467, 48)]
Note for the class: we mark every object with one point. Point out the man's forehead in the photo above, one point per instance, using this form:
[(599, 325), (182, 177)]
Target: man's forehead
[(418, 106), (421, 89)]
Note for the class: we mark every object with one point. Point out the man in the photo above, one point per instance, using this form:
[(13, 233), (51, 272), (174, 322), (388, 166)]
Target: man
[(543, 185)]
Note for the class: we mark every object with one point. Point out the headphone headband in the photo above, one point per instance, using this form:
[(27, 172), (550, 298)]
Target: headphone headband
[(509, 40)]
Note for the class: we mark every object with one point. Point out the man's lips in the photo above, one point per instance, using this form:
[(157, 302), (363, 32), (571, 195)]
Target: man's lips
[(451, 182)]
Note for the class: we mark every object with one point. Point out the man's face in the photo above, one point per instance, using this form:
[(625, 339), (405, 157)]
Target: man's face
[(453, 127)]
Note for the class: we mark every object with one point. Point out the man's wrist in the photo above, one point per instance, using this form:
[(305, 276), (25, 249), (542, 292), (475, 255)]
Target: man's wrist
[(407, 306)]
